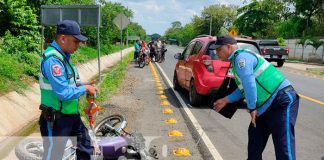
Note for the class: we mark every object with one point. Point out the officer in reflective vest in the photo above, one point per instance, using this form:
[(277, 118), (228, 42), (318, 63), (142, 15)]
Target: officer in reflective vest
[(60, 90), (272, 101)]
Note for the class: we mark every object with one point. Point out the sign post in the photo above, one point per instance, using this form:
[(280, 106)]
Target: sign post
[(121, 21)]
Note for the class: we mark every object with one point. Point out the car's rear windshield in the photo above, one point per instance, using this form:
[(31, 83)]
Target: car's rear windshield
[(248, 46), (241, 45), (269, 43)]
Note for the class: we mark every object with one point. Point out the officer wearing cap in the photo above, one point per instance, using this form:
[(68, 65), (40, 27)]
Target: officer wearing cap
[(60, 90), (272, 101)]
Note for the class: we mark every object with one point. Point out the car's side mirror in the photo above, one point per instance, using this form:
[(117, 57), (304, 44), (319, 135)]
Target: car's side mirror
[(178, 56)]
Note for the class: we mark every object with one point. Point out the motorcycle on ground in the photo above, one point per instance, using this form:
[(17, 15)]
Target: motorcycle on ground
[(109, 136)]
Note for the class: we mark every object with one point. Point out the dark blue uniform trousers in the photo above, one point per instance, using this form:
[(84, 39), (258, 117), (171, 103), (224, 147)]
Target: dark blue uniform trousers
[(279, 120), (64, 128)]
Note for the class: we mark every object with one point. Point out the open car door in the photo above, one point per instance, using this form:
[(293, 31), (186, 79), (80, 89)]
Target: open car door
[(227, 87)]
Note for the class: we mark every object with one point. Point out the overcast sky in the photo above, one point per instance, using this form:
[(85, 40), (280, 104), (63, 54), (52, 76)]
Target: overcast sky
[(157, 15)]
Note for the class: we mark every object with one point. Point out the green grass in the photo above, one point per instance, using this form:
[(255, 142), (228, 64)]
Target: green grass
[(316, 72), (295, 60), (12, 75), (84, 53), (18, 71), (113, 79), (110, 83)]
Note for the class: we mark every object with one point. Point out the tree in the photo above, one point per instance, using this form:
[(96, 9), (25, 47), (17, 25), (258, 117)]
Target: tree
[(281, 41), (187, 34), (109, 32), (220, 15), (257, 18), (316, 43), (176, 24), (223, 31), (134, 29), (307, 9), (291, 28), (18, 18), (174, 31), (302, 42)]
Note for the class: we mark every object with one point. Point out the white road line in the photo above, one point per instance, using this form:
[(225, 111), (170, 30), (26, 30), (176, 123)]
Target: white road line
[(213, 151)]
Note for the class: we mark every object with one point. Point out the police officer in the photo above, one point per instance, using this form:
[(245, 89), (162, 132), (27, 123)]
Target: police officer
[(60, 90), (271, 100)]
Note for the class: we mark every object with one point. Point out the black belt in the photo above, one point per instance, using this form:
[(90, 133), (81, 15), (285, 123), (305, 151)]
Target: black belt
[(287, 89), (49, 113)]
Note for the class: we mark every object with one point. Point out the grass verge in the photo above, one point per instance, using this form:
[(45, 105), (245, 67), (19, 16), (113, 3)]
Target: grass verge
[(316, 72), (19, 71), (110, 83)]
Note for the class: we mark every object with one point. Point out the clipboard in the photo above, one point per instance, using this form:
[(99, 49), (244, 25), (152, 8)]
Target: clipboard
[(227, 87)]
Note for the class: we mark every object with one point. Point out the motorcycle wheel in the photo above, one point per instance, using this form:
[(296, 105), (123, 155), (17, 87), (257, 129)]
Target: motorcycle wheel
[(30, 148), (141, 62), (104, 127), (157, 57)]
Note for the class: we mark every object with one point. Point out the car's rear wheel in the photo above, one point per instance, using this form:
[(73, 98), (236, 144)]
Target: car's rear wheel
[(176, 84), (194, 97)]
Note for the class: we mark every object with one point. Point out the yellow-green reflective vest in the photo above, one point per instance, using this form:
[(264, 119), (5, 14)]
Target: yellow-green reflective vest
[(267, 78), (48, 97)]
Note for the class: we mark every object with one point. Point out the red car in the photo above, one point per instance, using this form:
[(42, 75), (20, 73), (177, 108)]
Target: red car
[(199, 70)]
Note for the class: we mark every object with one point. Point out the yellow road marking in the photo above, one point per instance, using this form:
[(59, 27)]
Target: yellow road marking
[(175, 133), (159, 92), (163, 97), (181, 152), (171, 121), (165, 103), (311, 99), (167, 111)]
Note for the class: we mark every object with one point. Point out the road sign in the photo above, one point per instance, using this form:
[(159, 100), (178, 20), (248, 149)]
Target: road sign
[(121, 21), (85, 15), (232, 32)]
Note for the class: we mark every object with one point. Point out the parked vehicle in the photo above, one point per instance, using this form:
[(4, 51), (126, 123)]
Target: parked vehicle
[(273, 52), (200, 71)]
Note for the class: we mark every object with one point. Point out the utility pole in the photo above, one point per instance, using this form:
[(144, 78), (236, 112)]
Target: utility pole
[(210, 25)]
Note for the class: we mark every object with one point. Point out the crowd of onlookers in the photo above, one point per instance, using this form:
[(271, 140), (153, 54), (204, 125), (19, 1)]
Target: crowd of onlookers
[(153, 49)]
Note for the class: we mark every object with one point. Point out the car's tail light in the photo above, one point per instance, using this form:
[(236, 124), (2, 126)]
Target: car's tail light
[(207, 61), (263, 50), (287, 50)]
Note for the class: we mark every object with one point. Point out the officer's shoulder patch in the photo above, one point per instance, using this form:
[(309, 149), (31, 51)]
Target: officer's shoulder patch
[(241, 63), (57, 70)]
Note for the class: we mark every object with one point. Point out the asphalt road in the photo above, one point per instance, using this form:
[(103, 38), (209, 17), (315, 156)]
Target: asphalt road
[(230, 136)]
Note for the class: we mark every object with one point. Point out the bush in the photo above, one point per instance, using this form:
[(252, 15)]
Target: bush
[(16, 48), (11, 74), (281, 41)]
